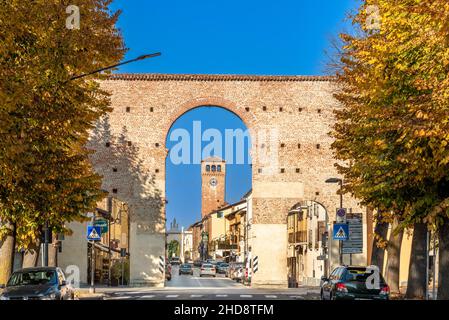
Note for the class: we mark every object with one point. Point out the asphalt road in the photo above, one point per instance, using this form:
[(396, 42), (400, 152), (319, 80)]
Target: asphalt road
[(187, 287), (195, 281)]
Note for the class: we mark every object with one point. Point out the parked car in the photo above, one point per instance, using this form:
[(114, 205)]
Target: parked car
[(208, 269), (353, 283), (222, 267), (197, 263), (233, 267), (186, 268), (168, 272), (239, 274), (175, 261), (42, 283)]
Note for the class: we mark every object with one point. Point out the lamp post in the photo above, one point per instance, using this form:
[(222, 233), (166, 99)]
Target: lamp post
[(340, 182)]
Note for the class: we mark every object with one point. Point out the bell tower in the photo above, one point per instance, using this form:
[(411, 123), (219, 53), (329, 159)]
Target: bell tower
[(213, 184)]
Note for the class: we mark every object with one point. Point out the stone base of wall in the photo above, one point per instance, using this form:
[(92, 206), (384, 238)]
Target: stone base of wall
[(269, 285)]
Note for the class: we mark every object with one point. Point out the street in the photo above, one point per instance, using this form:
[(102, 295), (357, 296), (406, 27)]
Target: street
[(187, 287)]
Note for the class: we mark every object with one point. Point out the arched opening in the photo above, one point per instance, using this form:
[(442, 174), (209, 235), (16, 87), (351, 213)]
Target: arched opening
[(307, 232), (208, 180)]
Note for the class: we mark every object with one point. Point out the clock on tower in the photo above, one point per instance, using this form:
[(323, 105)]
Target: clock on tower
[(213, 174)]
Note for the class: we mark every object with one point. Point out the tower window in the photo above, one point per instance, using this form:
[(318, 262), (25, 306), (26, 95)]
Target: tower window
[(214, 168), (219, 168), (208, 168)]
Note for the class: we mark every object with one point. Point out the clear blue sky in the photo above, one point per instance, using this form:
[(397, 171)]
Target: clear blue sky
[(283, 37)]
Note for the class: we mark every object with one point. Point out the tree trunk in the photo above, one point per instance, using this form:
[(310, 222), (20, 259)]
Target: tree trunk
[(53, 252), (394, 258), (7, 246), (443, 265), (31, 256), (378, 254), (416, 284)]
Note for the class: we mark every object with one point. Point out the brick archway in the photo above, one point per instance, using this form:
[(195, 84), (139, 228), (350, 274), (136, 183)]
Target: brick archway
[(147, 105), (246, 116)]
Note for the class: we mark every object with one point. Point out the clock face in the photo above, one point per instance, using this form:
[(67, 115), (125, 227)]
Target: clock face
[(213, 182)]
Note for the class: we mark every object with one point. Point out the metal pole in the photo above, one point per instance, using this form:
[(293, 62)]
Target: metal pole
[(45, 247), (341, 206), (434, 292), (427, 264), (92, 261), (92, 268), (123, 269)]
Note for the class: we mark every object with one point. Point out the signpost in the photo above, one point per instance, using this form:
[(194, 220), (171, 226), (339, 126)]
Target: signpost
[(354, 244), (93, 234)]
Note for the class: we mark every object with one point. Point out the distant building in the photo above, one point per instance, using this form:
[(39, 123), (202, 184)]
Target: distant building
[(183, 237), (213, 184)]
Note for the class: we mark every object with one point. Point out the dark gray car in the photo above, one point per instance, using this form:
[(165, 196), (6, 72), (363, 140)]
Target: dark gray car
[(42, 283)]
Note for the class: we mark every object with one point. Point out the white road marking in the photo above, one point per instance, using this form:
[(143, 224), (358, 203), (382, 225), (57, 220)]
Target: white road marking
[(221, 295), (118, 298), (297, 297), (271, 296), (172, 296), (196, 295), (147, 297), (246, 296)]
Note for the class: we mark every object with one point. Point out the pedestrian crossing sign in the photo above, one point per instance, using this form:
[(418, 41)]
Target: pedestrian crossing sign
[(341, 231), (93, 233)]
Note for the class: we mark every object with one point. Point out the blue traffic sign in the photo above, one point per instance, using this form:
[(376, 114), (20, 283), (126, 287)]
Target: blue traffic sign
[(93, 233), (341, 231)]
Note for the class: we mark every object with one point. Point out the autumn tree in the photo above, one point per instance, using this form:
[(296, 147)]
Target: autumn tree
[(45, 118), (392, 130)]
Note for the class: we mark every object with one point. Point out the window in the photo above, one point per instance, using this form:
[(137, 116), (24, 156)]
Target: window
[(214, 168), (220, 214), (219, 168), (208, 168)]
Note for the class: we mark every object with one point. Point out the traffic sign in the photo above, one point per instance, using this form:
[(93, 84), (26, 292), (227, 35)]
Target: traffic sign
[(354, 244), (103, 223), (341, 215), (93, 233), (341, 231)]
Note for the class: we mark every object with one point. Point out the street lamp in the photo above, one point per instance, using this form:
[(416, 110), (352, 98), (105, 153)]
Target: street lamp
[(142, 57), (340, 182)]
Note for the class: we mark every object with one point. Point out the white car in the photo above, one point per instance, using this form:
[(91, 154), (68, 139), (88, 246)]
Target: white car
[(208, 269)]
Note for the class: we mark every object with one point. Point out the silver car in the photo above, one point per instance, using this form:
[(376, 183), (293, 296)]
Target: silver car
[(208, 269)]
